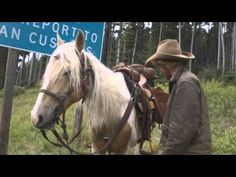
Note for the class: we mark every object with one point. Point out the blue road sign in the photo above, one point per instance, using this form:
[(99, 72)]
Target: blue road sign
[(42, 36)]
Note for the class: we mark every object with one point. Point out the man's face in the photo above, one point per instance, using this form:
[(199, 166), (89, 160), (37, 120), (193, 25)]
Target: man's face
[(165, 71)]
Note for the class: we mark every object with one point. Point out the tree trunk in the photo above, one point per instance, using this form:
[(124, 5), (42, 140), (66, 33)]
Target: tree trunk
[(232, 49), (160, 34), (40, 68), (106, 43), (191, 49), (22, 78), (27, 70), (223, 51), (218, 54), (48, 58), (124, 49), (180, 34), (135, 43), (35, 67), (118, 44), (233, 54), (150, 45), (110, 43), (234, 63), (31, 71), (18, 79)]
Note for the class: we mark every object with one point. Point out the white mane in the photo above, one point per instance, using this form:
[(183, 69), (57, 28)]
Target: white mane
[(110, 95)]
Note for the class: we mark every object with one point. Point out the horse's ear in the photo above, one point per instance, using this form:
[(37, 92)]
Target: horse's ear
[(79, 41), (59, 40)]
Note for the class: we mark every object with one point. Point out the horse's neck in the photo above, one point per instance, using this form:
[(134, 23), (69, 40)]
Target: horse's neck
[(110, 95)]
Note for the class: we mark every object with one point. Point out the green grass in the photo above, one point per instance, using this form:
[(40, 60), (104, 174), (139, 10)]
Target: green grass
[(222, 113), (22, 133)]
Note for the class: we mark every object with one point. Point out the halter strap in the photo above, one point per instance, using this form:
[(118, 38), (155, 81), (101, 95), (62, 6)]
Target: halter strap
[(55, 96), (86, 69)]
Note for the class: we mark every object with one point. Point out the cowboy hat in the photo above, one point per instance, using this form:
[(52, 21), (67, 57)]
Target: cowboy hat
[(169, 50)]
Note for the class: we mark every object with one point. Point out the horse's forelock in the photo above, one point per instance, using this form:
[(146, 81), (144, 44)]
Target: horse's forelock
[(69, 52), (67, 57)]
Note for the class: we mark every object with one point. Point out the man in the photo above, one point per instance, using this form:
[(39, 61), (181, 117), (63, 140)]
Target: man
[(186, 128)]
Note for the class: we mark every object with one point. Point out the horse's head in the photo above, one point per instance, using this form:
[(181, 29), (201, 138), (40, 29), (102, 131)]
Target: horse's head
[(61, 85)]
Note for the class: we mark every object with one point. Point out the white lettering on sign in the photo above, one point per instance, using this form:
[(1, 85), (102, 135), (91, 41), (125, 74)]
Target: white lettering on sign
[(74, 32), (86, 34), (27, 23), (36, 25), (3, 30), (42, 40), (94, 38), (65, 29), (31, 37), (13, 33), (55, 27), (89, 49), (45, 24), (53, 42)]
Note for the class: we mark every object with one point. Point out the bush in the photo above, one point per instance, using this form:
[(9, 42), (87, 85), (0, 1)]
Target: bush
[(222, 109), (208, 74), (18, 90), (1, 93), (229, 78), (226, 143)]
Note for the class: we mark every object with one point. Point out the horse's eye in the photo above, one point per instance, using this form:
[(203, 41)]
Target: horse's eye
[(66, 73), (57, 57)]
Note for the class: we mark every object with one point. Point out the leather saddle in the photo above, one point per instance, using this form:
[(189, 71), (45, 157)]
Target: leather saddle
[(152, 102), (157, 98)]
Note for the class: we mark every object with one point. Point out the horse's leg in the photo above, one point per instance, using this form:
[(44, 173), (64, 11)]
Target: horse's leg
[(97, 144), (121, 143), (129, 150), (136, 150), (94, 148), (133, 147)]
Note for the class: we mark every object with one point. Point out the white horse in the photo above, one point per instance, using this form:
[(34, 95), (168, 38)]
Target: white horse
[(105, 95)]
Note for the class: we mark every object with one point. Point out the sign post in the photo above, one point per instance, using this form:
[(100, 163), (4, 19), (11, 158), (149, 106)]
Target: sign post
[(5, 118)]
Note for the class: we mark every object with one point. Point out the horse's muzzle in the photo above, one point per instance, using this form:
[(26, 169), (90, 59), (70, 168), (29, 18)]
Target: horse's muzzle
[(42, 123)]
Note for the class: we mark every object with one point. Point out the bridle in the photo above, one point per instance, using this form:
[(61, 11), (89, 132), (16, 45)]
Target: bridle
[(61, 100)]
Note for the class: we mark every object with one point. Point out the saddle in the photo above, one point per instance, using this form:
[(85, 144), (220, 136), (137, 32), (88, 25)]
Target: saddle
[(147, 72), (151, 102)]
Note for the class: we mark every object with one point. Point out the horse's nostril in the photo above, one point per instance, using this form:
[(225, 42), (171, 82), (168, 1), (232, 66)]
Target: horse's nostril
[(40, 119)]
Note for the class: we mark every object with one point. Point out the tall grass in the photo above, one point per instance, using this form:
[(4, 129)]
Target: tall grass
[(222, 113)]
